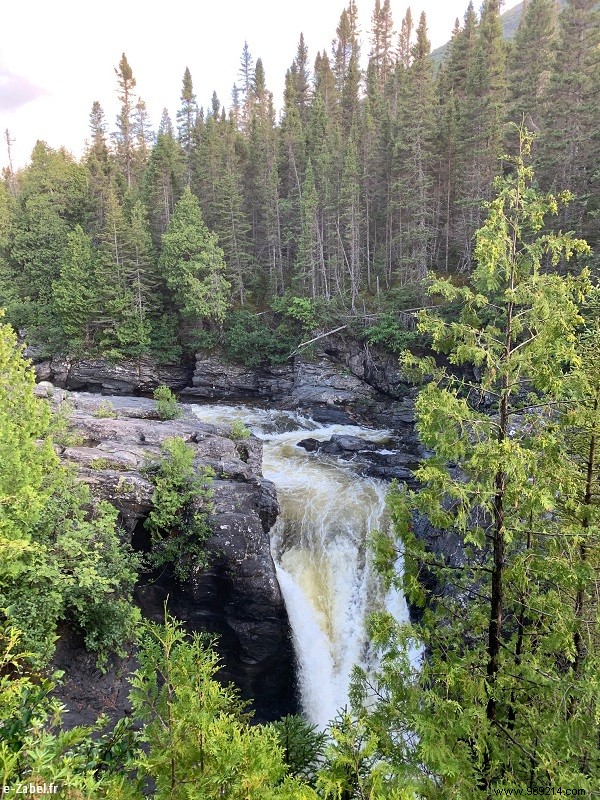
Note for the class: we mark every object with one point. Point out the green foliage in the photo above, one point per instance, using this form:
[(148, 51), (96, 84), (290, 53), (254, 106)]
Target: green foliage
[(196, 732), (299, 309), (83, 762), (75, 294), (390, 333), (107, 463), (249, 339), (166, 403), (178, 522), (302, 745), (70, 559), (500, 699), (239, 431), (186, 730), (105, 410), (193, 265)]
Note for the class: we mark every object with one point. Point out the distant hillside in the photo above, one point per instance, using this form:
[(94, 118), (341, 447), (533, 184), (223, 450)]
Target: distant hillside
[(510, 23)]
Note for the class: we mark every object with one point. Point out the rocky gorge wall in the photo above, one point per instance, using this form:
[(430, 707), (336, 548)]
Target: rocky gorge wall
[(238, 596)]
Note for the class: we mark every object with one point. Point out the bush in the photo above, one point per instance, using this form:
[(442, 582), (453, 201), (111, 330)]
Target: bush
[(238, 430), (178, 527), (250, 340), (61, 558), (105, 410), (388, 333), (167, 403)]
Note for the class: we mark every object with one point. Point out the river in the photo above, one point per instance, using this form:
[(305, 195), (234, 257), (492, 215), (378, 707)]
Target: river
[(319, 545)]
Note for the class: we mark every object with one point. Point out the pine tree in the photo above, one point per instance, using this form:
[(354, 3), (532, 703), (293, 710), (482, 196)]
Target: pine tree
[(186, 118), (246, 75), (263, 184), (346, 64), (230, 217), (413, 194), (381, 54), (481, 119), (75, 294), (143, 137), (163, 179), (489, 708), (302, 79), (350, 220), (192, 264), (98, 162), (124, 136), (531, 60), (569, 151)]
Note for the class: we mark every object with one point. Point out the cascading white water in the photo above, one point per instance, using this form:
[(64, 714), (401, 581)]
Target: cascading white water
[(319, 546)]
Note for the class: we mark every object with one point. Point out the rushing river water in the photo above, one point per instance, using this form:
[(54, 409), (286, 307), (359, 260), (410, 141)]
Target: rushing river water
[(319, 546)]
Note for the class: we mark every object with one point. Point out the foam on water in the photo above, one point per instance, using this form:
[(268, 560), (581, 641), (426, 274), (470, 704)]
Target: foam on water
[(319, 546)]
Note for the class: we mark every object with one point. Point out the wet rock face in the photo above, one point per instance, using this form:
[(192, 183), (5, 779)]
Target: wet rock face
[(394, 460), (237, 597), (299, 384), (98, 375)]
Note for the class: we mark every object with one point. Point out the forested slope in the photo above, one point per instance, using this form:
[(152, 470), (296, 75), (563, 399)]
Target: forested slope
[(366, 180)]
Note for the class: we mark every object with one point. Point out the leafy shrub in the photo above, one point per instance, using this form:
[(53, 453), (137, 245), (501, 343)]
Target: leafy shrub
[(60, 560), (178, 527), (300, 309), (238, 430), (249, 340), (105, 410), (390, 334), (167, 403)]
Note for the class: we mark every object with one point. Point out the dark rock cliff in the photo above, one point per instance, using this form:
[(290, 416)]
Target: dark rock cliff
[(237, 597)]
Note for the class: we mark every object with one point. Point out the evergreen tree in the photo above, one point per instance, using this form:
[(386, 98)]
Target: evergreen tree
[(246, 75), (569, 150), (163, 179), (531, 60), (350, 221), (192, 264), (412, 168), (302, 79), (143, 138), (186, 118), (98, 162), (489, 709), (124, 137), (381, 54), (75, 294), (53, 198)]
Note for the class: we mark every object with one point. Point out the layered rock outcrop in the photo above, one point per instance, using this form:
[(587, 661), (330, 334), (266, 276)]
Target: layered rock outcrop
[(136, 376), (237, 597)]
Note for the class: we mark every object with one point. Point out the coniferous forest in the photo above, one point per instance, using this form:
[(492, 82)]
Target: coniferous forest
[(365, 182), (466, 187)]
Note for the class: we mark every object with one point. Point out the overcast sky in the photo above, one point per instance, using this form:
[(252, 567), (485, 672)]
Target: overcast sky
[(57, 57)]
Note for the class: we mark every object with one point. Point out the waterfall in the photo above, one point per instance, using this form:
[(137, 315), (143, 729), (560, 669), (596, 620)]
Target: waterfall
[(319, 545)]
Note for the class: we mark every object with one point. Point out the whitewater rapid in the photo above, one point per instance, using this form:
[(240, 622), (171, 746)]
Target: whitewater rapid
[(319, 546)]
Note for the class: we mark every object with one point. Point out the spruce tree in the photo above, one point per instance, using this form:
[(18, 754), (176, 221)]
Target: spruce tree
[(186, 119), (530, 61), (124, 136), (569, 149), (163, 179), (75, 294), (192, 264), (489, 709)]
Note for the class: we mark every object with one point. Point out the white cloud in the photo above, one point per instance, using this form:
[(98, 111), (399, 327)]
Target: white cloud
[(17, 91)]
